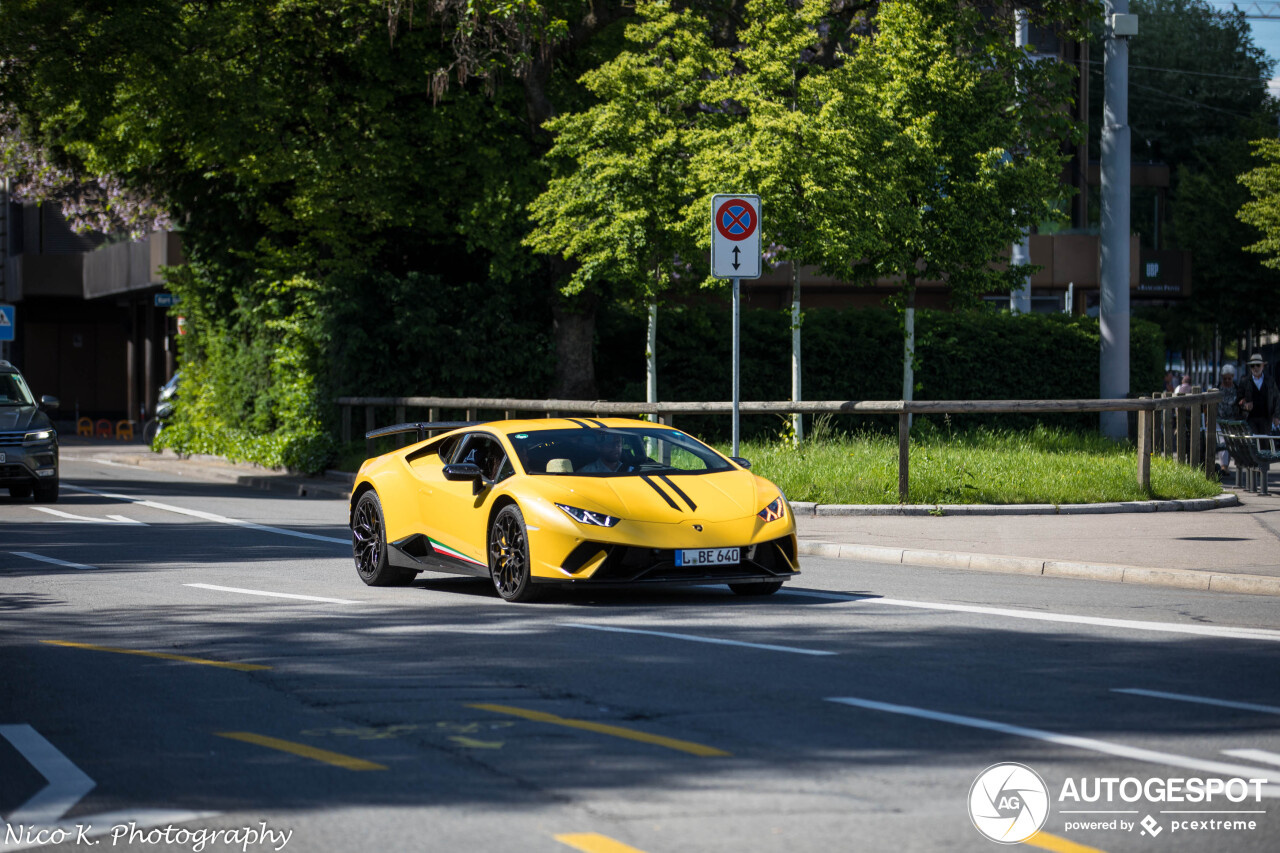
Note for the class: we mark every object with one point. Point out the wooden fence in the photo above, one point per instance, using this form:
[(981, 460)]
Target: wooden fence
[(1167, 425)]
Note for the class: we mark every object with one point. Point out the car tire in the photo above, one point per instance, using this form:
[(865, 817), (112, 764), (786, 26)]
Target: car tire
[(765, 588), (19, 491), (509, 564), (46, 491), (369, 545)]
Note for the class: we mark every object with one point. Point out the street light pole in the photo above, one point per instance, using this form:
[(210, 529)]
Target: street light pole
[(1114, 248)]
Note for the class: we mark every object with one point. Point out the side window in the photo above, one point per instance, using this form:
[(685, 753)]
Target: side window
[(485, 452)]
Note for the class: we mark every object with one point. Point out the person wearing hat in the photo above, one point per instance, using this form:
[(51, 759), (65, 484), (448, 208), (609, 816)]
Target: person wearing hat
[(1259, 399)]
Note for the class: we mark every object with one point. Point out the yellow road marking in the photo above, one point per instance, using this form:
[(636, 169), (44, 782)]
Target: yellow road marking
[(602, 728), (335, 758), (1045, 841), (243, 667), (594, 842)]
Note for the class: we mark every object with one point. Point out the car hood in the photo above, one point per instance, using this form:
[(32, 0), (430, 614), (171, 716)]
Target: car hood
[(22, 417), (670, 498)]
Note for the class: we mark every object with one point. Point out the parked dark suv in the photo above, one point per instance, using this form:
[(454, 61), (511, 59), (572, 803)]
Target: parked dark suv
[(28, 441)]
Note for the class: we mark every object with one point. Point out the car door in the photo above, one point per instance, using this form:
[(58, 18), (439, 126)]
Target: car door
[(456, 515)]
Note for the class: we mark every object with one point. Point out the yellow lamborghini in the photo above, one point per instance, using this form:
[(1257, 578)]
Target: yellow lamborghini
[(569, 501)]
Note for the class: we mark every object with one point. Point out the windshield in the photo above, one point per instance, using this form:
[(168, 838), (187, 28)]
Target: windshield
[(14, 392), (614, 452)]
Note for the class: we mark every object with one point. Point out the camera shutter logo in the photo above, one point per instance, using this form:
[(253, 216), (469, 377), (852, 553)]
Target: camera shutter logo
[(1008, 803)]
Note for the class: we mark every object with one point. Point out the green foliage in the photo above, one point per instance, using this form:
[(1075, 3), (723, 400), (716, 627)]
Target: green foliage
[(620, 168)]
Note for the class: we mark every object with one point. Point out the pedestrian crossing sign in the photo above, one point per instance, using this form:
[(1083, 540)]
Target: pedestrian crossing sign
[(6, 322)]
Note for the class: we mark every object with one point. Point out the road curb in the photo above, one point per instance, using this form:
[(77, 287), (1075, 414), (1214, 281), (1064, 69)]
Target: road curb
[(1207, 581), (241, 474), (1184, 505)]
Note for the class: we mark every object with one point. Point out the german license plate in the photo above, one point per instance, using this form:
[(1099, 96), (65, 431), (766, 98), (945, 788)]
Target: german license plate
[(1, 457), (709, 557)]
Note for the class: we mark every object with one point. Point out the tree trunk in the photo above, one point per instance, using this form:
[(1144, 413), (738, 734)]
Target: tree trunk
[(574, 328)]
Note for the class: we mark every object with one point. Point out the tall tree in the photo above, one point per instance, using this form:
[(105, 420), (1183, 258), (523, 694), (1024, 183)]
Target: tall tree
[(784, 139), (970, 149), (620, 168)]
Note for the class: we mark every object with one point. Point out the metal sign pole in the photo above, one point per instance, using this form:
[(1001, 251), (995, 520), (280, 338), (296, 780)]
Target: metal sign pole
[(737, 364)]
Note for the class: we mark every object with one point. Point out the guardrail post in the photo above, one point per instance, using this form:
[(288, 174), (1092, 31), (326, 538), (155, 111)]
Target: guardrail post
[(904, 437), (1195, 412), (1184, 429), (402, 438), (433, 414), (346, 424), (1211, 440), (1170, 434), (1146, 438), (368, 427)]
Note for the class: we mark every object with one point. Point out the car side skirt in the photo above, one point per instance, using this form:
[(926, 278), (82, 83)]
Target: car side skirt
[(421, 553)]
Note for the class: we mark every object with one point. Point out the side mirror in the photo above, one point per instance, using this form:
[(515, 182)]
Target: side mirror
[(460, 471), (49, 402), (745, 463)]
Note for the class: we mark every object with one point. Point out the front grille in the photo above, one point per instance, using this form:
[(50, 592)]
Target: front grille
[(12, 439), (14, 472), (629, 564)]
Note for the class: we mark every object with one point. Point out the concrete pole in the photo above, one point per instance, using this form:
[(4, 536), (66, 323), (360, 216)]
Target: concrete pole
[(1020, 299), (1114, 260)]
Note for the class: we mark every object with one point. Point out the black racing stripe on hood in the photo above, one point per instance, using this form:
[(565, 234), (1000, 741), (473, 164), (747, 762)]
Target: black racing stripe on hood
[(578, 422), (666, 497), (664, 478), (597, 423)]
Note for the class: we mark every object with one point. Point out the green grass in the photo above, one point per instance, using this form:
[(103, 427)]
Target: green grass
[(976, 467)]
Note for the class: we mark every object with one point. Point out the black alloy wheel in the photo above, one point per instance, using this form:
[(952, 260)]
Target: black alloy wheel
[(509, 556), (369, 545)]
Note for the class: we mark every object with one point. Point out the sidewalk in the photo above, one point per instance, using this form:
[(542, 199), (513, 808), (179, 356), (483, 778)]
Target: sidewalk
[(1226, 544)]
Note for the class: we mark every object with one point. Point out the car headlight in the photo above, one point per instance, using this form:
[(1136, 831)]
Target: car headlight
[(39, 435), (774, 511), (584, 516)]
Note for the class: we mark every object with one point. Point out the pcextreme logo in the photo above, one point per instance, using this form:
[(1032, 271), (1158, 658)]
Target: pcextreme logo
[(1008, 803)]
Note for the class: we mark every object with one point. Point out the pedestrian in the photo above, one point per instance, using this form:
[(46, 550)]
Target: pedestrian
[(1168, 382), (1259, 399), (1185, 387), (1228, 410)]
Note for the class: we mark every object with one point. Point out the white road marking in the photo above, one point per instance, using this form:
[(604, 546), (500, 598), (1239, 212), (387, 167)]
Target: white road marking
[(696, 639), (1202, 700), (209, 516), (114, 519), (51, 560), (1270, 789), (1259, 755), (67, 783), (271, 594), (1267, 634)]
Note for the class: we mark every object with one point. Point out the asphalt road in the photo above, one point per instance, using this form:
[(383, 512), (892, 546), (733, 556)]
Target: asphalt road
[(180, 657)]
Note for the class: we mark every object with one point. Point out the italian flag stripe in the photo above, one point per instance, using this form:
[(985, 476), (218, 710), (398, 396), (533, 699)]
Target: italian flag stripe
[(457, 555)]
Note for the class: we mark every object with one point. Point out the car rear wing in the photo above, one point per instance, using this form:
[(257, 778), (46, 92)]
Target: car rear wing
[(422, 429)]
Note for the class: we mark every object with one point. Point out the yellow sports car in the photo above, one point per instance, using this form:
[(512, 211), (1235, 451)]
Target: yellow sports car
[(568, 501)]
